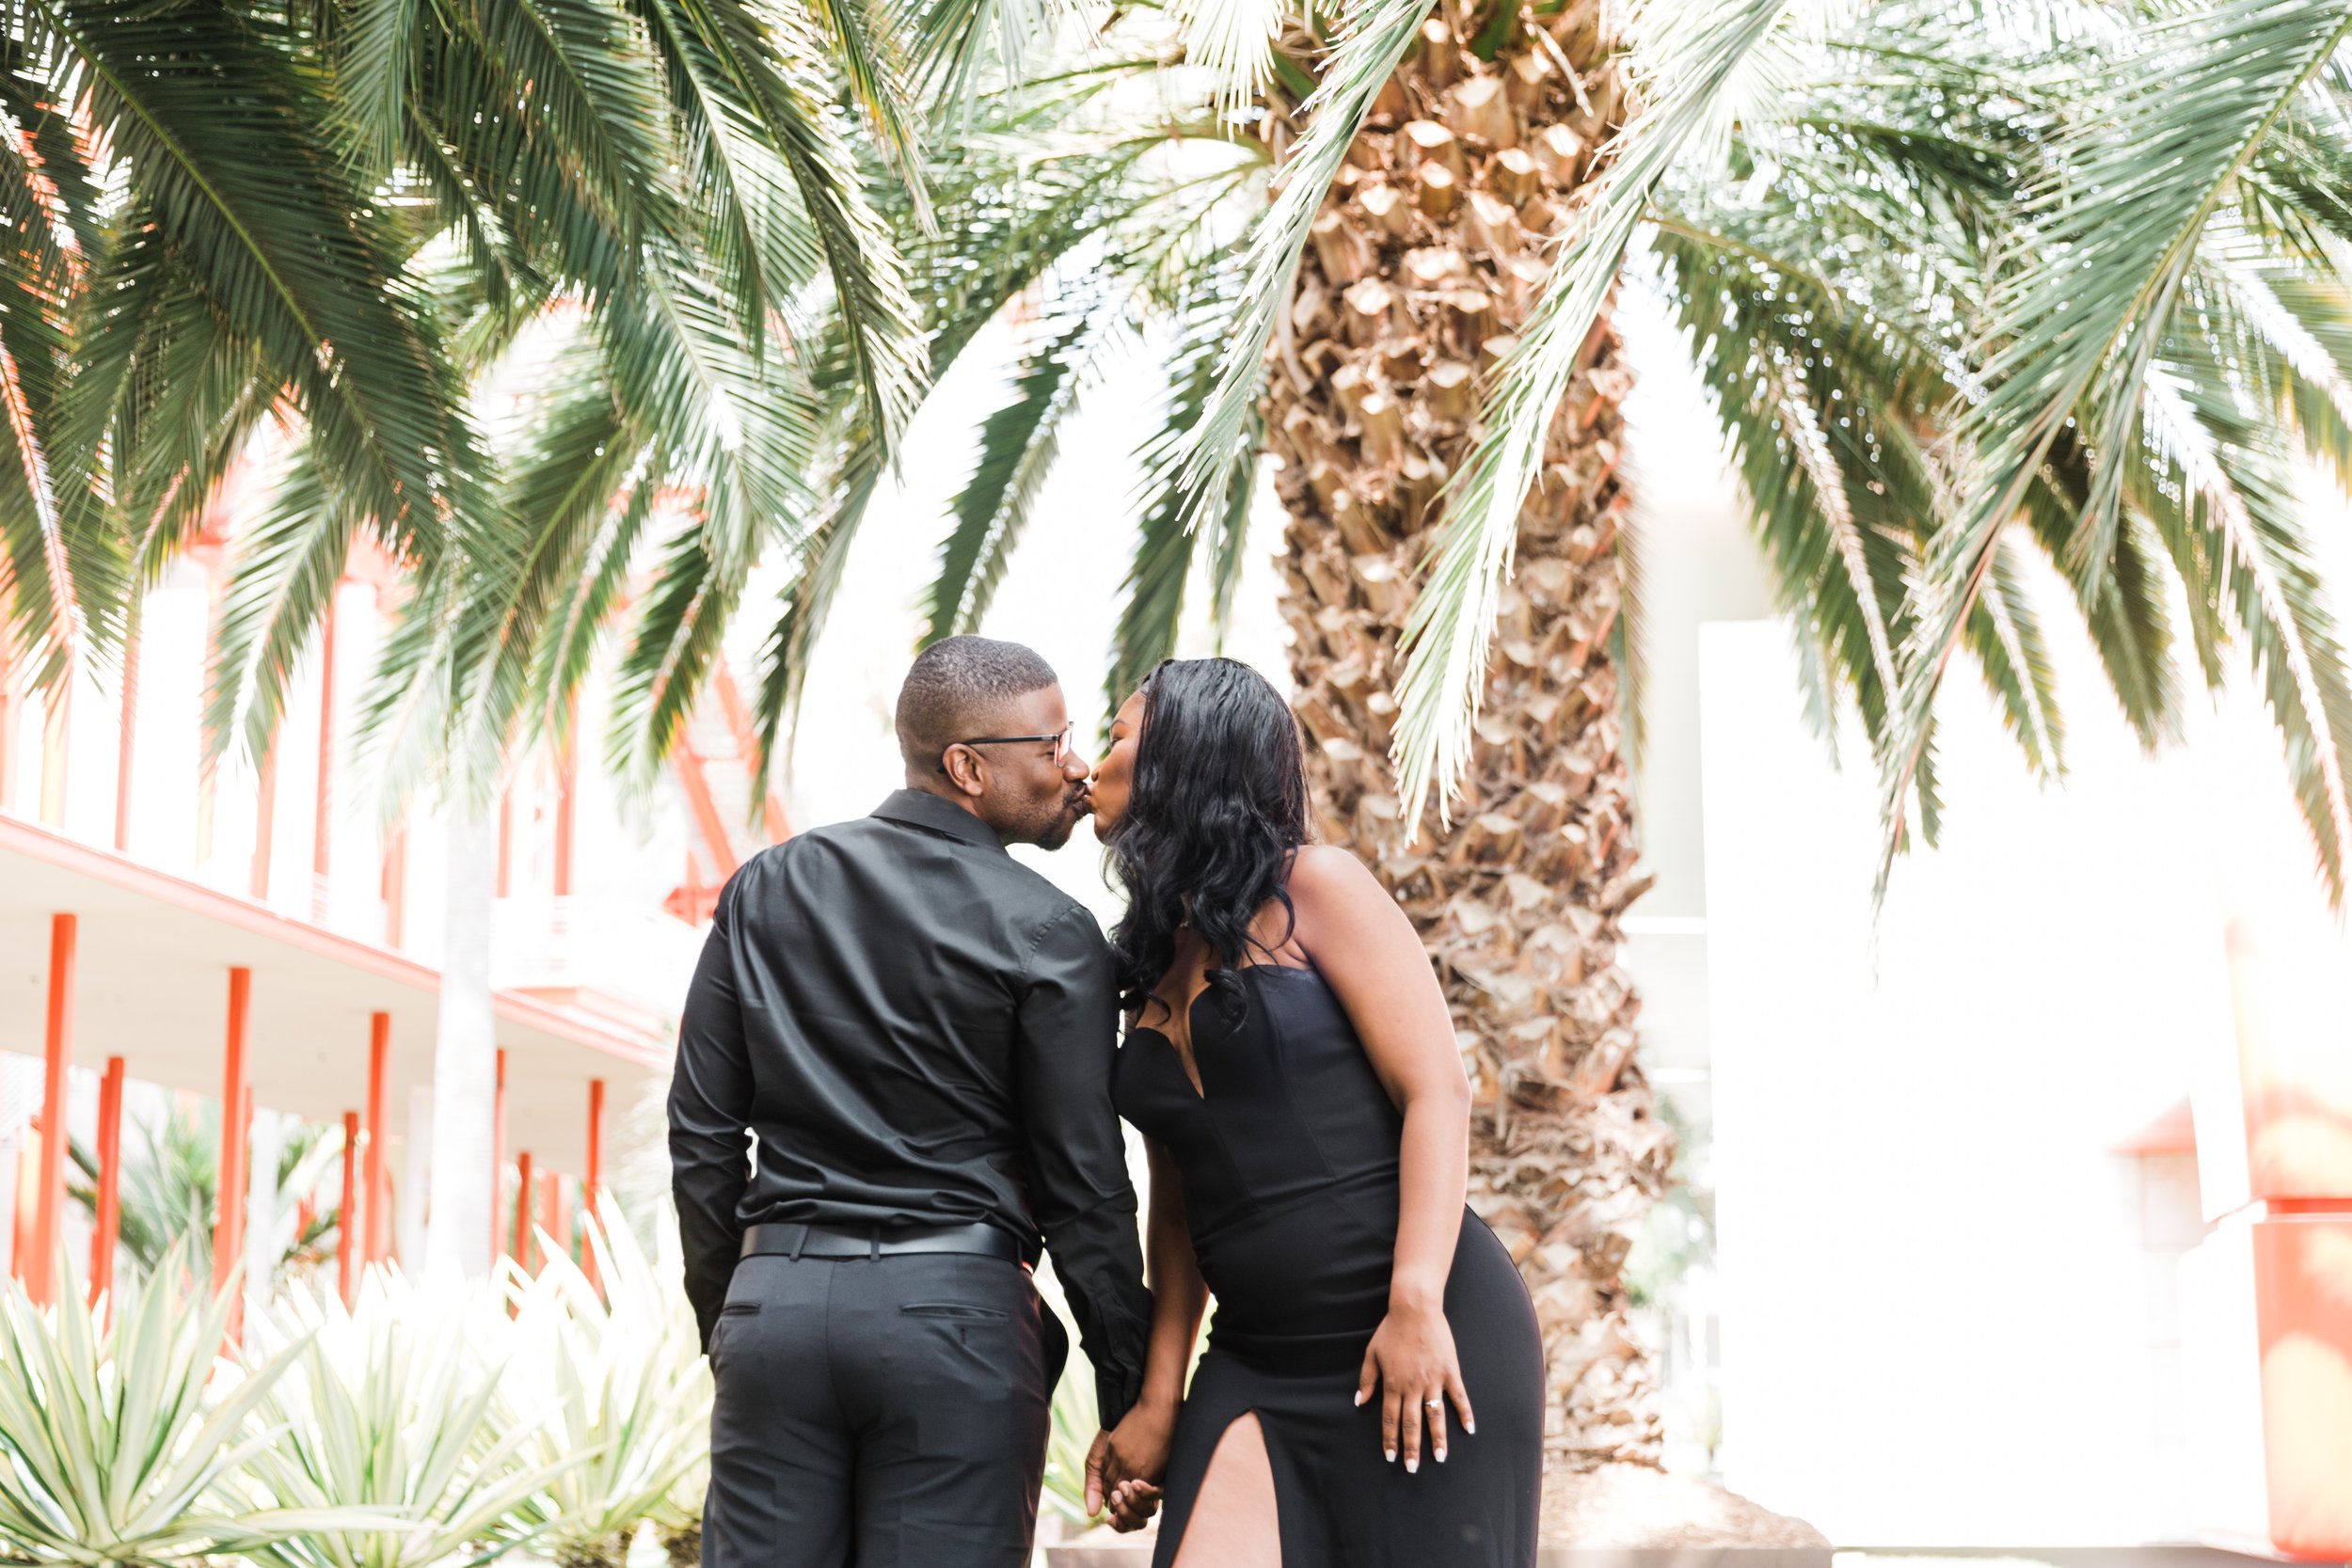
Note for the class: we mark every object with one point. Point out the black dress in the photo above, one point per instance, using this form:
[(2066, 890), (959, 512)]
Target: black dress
[(1289, 1161)]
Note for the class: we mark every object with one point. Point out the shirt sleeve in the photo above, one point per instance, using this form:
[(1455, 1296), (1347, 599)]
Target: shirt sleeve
[(1079, 1193), (710, 1109)]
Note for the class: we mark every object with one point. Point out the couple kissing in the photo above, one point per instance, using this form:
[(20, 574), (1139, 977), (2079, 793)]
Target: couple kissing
[(900, 1074)]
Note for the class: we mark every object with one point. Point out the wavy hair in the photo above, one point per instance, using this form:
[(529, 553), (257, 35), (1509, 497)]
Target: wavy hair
[(1216, 811)]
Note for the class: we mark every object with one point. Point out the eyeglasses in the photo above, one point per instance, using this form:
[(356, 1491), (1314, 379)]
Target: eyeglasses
[(1060, 739)]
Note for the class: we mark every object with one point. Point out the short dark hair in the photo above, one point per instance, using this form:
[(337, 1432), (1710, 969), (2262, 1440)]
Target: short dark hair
[(955, 688)]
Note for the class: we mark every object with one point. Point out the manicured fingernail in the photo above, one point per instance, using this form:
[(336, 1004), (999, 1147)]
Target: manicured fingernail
[(1470, 1426), (1391, 1456), (1440, 1456), (1412, 1466), (1360, 1398)]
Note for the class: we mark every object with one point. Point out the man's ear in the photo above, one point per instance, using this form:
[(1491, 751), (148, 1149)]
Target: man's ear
[(965, 771)]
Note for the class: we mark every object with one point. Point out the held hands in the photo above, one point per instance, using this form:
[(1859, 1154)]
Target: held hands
[(1125, 1463), (1411, 1364)]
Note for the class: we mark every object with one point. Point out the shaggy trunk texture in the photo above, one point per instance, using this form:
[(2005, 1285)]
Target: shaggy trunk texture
[(1428, 256)]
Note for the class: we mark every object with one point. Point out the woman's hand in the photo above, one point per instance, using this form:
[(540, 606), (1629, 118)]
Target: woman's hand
[(1133, 1451), (1132, 1505), (1410, 1363)]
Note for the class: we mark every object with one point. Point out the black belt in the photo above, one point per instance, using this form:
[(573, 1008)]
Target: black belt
[(822, 1241)]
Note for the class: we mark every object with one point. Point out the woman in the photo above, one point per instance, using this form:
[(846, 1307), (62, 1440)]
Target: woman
[(1291, 1065)]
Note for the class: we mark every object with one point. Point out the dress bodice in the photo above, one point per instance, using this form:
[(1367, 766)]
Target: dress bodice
[(1288, 1154)]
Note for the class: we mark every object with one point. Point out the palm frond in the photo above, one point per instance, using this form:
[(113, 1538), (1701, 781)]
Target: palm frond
[(2124, 609), (1366, 57), (777, 67), (785, 657), (1019, 445), (1234, 41), (279, 586), (2005, 635), (2231, 466), (1178, 524), (1700, 51), (2163, 129), (225, 144)]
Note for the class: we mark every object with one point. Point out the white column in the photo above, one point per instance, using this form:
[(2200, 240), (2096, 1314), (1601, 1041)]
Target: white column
[(415, 1197), (465, 1052), (263, 1244)]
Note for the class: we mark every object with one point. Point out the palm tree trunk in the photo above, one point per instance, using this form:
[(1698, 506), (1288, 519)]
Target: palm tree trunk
[(465, 1055), (1427, 255)]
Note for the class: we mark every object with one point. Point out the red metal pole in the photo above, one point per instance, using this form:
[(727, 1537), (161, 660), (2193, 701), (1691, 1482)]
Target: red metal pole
[(592, 1177), (228, 1190), (551, 1209), (747, 746), (498, 1157), (376, 1201), (521, 1251), (101, 1241), (57, 1050), (346, 1274)]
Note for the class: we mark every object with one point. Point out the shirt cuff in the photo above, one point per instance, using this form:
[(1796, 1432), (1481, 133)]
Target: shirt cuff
[(1116, 1390)]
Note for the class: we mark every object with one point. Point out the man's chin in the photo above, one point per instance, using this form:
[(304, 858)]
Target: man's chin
[(1064, 825)]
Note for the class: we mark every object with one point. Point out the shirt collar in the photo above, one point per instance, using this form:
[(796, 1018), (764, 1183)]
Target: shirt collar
[(919, 808)]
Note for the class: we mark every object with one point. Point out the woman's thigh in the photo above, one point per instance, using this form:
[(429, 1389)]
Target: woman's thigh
[(1234, 1523)]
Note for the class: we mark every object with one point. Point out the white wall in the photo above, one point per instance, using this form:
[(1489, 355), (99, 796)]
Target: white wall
[(1945, 1302), (1694, 561)]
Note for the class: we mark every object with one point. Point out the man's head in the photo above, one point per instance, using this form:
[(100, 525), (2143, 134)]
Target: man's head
[(982, 723)]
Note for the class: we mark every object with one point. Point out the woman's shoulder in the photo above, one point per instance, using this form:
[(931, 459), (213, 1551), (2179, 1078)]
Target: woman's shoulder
[(1323, 872)]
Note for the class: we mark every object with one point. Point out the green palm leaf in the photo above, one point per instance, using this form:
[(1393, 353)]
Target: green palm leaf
[(1018, 444), (1167, 540), (222, 138), (2163, 129)]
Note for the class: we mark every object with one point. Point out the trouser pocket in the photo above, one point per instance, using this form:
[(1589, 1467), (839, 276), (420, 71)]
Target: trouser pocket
[(955, 1309)]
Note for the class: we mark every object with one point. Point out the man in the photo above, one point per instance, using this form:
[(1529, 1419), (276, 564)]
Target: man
[(917, 1032)]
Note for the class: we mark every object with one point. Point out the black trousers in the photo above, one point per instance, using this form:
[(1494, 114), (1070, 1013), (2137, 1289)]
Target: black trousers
[(879, 1413)]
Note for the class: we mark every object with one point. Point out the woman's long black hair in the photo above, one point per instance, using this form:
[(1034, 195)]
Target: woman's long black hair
[(1217, 809)]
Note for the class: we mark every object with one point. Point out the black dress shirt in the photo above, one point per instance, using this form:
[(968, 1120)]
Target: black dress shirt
[(920, 1030)]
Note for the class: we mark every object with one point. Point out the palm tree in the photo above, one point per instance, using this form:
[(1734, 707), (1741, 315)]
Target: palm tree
[(333, 218), (1967, 282)]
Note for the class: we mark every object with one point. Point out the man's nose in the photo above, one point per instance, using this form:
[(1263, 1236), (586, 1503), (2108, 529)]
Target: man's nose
[(1075, 764)]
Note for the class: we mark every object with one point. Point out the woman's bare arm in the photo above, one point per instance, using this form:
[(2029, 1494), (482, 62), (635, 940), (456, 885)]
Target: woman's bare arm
[(1372, 957), (1179, 1295), (1137, 1449)]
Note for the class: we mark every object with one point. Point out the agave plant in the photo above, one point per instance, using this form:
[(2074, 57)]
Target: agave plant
[(122, 1432), (1074, 1422), (394, 1407), (677, 1521), (617, 1376)]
